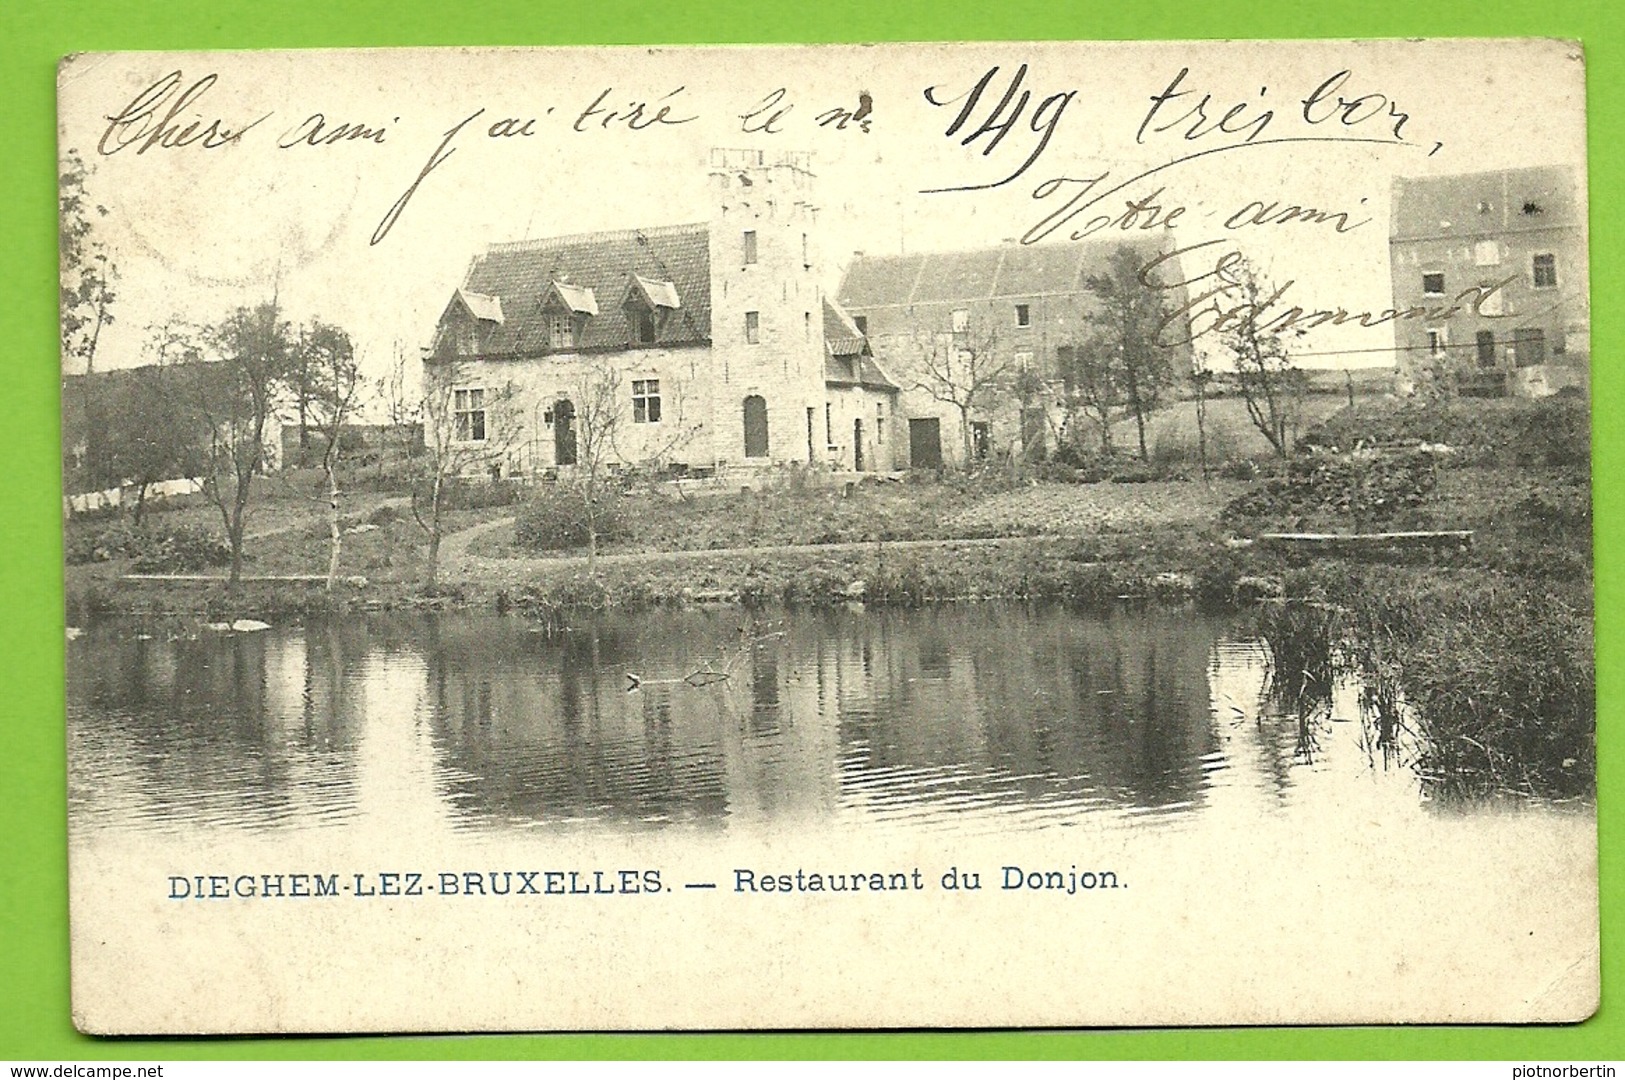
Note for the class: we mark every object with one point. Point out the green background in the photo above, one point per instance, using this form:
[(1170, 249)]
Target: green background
[(34, 1017)]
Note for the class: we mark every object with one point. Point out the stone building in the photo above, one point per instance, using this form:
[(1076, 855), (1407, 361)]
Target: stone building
[(1490, 277), (702, 346), (1011, 309)]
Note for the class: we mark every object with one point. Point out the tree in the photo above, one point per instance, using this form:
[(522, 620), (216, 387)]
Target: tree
[(1088, 371), (151, 433), (328, 375), (964, 369), (401, 408), (241, 369), (1271, 385), (1129, 309), (465, 427), (86, 279), (603, 416), (1201, 379), (88, 273)]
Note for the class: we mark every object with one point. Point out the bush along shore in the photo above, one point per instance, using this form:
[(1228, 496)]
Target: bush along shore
[(1477, 658)]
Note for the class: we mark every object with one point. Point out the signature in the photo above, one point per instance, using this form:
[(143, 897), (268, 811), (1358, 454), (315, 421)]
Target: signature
[(1216, 304)]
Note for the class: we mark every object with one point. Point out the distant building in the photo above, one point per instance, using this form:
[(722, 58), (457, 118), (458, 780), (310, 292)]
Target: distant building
[(1026, 303), (116, 404), (712, 343), (1498, 262)]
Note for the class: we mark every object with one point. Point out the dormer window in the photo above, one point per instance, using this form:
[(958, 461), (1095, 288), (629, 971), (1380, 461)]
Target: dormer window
[(466, 322), (566, 309), (561, 331), (648, 303)]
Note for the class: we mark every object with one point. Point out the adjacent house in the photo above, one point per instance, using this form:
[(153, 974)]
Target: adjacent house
[(939, 321), (1494, 266), (700, 346)]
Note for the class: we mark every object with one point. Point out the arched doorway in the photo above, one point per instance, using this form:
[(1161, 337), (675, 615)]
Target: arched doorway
[(755, 426), (564, 432)]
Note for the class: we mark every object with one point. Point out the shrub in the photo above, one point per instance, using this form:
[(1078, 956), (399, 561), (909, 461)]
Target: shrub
[(1239, 469), (477, 493), (1548, 431), (387, 514), (186, 549), (116, 541), (554, 518), (1367, 485)]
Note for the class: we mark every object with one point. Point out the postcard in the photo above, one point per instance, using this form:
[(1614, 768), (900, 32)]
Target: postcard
[(896, 536)]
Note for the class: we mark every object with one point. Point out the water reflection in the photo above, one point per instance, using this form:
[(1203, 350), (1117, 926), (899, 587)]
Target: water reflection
[(986, 716)]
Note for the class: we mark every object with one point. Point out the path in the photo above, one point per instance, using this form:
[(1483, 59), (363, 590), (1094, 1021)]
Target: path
[(457, 563), (397, 501)]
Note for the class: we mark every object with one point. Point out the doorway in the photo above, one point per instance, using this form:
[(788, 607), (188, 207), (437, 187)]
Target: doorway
[(564, 432), (755, 426), (925, 443)]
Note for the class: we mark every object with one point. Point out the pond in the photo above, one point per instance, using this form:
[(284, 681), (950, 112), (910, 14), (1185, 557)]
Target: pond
[(975, 718)]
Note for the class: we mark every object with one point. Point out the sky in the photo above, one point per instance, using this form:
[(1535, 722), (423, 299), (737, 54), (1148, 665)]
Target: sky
[(479, 146)]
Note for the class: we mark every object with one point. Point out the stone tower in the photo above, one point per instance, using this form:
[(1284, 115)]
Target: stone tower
[(767, 322)]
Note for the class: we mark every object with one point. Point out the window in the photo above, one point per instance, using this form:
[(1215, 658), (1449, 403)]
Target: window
[(1487, 253), (750, 246), (1545, 271), (1437, 340), (1529, 346), (753, 328), (829, 424), (646, 401), (561, 331), (880, 422), (1024, 315), (645, 327), (981, 439), (1433, 284), (1560, 341), (1486, 348), (806, 259), (468, 414), (1024, 359), (961, 321), (862, 323), (806, 325)]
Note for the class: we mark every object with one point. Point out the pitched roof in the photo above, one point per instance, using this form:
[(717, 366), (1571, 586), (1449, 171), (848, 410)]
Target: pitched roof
[(841, 335), (657, 294), (485, 308), (1008, 271), (1502, 201), (856, 370), (571, 297), (519, 274)]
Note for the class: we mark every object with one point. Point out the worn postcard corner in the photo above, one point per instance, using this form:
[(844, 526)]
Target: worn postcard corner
[(891, 536)]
